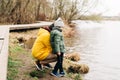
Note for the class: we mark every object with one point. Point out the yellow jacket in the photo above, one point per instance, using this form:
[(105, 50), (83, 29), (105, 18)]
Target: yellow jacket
[(42, 48)]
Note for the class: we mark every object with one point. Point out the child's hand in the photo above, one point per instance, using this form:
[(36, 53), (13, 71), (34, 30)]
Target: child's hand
[(64, 55), (58, 53)]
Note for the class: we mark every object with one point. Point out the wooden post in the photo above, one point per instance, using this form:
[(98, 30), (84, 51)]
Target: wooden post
[(4, 38)]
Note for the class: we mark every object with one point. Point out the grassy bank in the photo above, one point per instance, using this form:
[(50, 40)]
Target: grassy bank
[(20, 68), (13, 62), (21, 64), (17, 67)]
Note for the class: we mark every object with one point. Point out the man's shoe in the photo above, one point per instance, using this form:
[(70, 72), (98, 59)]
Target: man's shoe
[(47, 65), (38, 65), (62, 74), (55, 74)]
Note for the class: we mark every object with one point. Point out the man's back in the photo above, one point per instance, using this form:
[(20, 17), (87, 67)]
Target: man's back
[(42, 47)]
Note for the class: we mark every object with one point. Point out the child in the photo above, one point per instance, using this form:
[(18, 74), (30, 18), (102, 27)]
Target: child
[(58, 47)]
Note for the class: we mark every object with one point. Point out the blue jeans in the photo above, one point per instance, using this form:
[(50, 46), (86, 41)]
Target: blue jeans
[(59, 64)]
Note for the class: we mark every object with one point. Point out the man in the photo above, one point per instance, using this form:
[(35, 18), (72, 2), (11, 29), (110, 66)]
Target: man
[(58, 47), (42, 50)]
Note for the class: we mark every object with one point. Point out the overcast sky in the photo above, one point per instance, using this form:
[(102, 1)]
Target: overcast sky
[(108, 7)]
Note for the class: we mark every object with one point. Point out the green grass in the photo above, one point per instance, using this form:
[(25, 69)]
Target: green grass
[(12, 68), (74, 76), (38, 74), (78, 77), (15, 49), (13, 63)]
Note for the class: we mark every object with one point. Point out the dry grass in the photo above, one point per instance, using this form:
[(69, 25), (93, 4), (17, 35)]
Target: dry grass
[(69, 29), (73, 56), (74, 67)]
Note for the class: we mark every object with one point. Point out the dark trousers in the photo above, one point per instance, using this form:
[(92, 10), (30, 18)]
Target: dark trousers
[(59, 64)]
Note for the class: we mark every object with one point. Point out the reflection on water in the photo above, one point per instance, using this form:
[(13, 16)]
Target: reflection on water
[(99, 47)]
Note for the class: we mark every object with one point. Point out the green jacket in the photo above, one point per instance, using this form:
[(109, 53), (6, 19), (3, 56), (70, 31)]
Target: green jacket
[(57, 41)]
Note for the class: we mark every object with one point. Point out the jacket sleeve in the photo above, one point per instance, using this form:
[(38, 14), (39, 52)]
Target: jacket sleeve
[(63, 45), (52, 39), (55, 42)]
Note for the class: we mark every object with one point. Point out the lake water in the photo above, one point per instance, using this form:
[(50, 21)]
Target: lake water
[(99, 47)]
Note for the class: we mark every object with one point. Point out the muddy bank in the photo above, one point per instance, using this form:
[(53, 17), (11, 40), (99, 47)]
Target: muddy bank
[(25, 39)]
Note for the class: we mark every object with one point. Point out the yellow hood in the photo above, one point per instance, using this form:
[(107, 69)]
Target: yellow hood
[(42, 48)]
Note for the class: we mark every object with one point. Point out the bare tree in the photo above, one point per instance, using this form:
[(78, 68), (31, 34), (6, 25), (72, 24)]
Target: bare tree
[(17, 11), (42, 9), (71, 9)]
